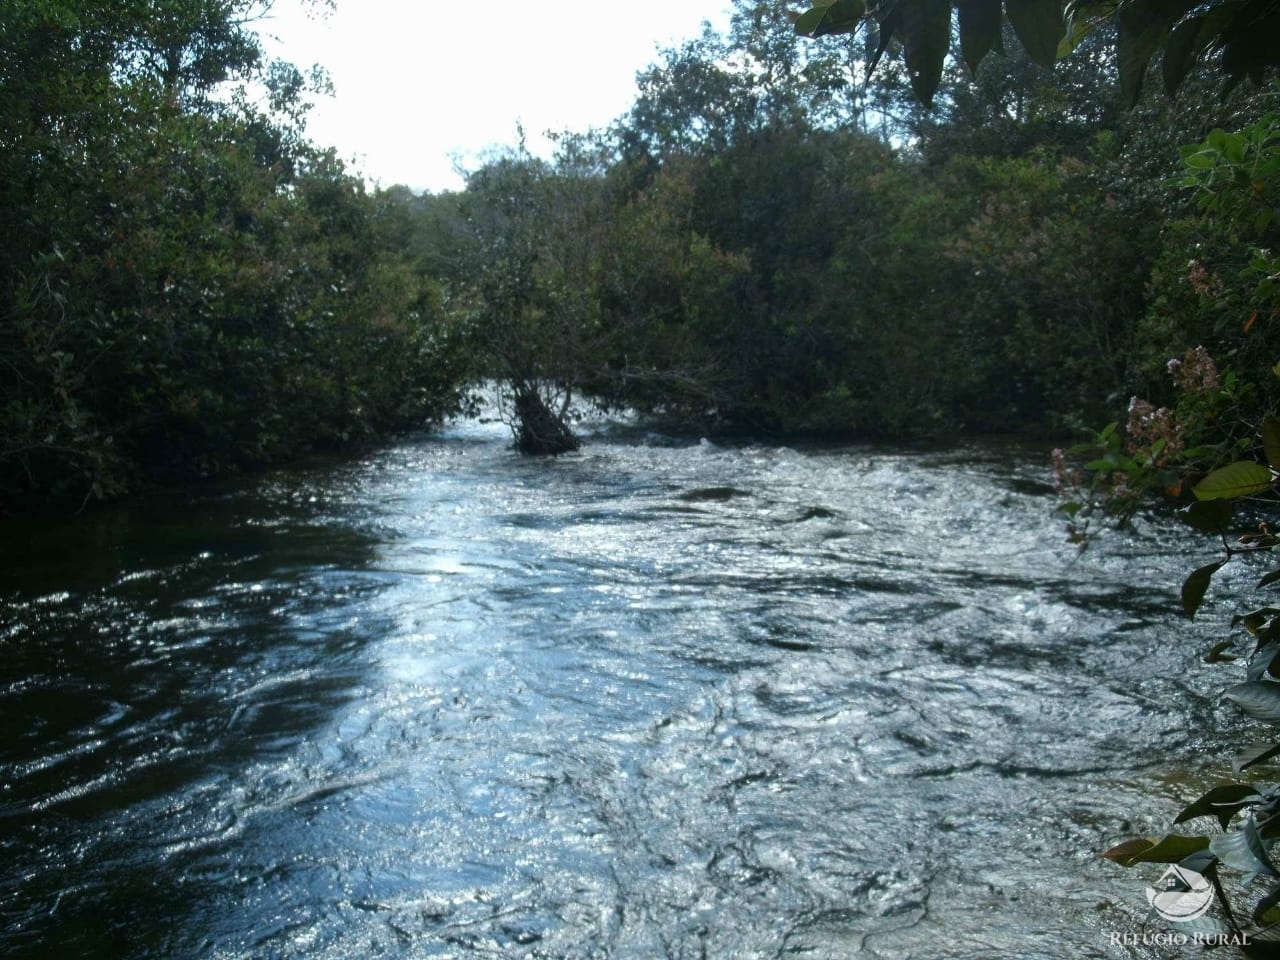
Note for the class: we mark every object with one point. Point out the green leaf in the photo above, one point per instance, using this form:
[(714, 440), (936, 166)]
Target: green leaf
[(1269, 634), (1169, 849), (1221, 802), (1123, 853), (1263, 662), (1254, 620), (1140, 27), (1244, 850), (1239, 479), (979, 30), (1259, 699), (887, 27), (1195, 586), (842, 16), (1039, 26), (1219, 653), (926, 29), (1082, 20), (1269, 579), (809, 22), (1271, 441), (1255, 753), (1181, 51), (1207, 516)]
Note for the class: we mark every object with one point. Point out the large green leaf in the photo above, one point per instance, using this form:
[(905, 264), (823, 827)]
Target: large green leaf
[(1125, 852), (1255, 753), (1172, 848), (1141, 26), (979, 29), (887, 25), (1039, 26), (1222, 802), (1255, 620), (1221, 653), (1263, 662), (926, 37), (1181, 50), (1248, 40), (1207, 516), (1195, 586), (841, 16), (1082, 18), (1259, 699), (1239, 479)]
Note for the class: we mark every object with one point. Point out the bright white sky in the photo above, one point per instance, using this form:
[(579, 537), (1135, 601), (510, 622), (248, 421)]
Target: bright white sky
[(423, 86)]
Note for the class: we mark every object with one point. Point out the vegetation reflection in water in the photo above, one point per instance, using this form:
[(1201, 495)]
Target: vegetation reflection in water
[(448, 702)]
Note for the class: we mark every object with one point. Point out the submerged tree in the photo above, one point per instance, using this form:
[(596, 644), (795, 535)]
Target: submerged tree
[(529, 230)]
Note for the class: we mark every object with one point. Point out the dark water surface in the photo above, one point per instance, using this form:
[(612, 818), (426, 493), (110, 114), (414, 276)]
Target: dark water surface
[(656, 699)]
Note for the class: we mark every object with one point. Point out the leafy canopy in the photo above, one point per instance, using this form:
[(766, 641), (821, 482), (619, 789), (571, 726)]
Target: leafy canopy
[(1242, 32)]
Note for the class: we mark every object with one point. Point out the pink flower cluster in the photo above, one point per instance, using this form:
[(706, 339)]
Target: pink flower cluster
[(1153, 436), (1195, 372), (1202, 281), (1147, 425), (1065, 477)]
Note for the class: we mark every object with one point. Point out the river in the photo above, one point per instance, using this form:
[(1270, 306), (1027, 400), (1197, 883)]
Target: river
[(660, 698)]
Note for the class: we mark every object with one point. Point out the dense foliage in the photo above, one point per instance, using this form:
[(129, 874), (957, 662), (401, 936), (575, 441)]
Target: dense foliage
[(186, 286), (1219, 410), (775, 237), (1237, 35)]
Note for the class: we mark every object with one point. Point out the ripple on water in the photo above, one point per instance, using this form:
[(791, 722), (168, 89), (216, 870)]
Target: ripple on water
[(655, 699)]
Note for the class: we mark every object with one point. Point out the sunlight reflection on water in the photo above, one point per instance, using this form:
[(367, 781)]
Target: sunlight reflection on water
[(653, 699)]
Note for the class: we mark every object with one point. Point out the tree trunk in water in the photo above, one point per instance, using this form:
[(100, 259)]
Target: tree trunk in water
[(540, 430)]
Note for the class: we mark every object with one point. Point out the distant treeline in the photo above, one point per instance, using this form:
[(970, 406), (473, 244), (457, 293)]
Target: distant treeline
[(766, 241)]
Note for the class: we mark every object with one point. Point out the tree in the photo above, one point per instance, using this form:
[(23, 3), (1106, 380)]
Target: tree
[(187, 286), (530, 229), (691, 101)]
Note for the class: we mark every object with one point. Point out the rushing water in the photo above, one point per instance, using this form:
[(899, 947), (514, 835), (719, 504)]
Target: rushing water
[(657, 699)]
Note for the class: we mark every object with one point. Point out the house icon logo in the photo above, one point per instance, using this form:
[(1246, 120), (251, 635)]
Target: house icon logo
[(1180, 895)]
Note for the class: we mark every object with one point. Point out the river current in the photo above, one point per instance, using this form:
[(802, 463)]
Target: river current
[(660, 698)]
